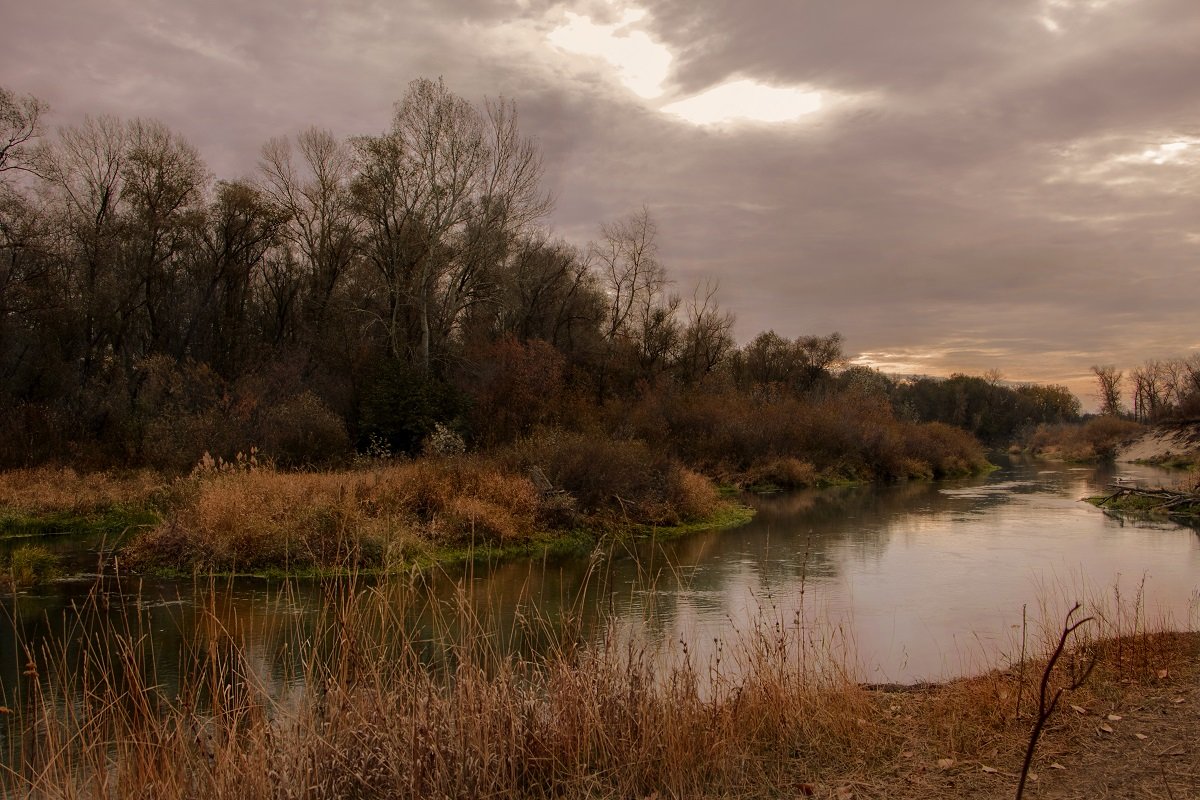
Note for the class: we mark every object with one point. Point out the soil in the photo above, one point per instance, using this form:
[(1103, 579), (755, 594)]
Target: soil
[(1127, 733), (1164, 443)]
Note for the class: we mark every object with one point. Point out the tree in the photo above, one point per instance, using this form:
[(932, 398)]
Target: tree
[(1109, 380), (626, 259), (770, 359), (20, 124), (442, 195), (707, 336), (548, 292), (314, 193), (240, 226), (83, 169), (641, 327), (163, 183)]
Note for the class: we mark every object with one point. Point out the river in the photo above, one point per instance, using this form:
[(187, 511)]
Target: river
[(907, 582)]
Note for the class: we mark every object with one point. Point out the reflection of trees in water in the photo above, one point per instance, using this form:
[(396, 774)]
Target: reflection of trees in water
[(654, 589)]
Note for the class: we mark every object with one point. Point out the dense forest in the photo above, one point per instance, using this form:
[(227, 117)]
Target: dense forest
[(393, 292)]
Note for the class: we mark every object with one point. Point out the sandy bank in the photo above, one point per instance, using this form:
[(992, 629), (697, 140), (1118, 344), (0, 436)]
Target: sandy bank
[(1173, 443)]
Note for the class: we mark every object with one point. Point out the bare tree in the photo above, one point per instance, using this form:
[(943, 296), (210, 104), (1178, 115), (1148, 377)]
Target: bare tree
[(549, 293), (315, 195), (1109, 380), (626, 259), (20, 124), (84, 168), (163, 182), (1151, 391), (442, 193), (707, 335)]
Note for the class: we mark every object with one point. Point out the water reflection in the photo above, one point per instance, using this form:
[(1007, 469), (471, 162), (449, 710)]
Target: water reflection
[(906, 582)]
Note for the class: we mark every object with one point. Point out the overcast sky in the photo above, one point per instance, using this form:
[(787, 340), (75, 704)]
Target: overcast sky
[(955, 185)]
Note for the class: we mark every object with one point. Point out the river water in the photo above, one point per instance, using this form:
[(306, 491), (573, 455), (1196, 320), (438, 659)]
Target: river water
[(916, 581)]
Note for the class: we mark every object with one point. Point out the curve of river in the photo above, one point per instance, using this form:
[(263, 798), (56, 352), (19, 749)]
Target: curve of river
[(917, 581)]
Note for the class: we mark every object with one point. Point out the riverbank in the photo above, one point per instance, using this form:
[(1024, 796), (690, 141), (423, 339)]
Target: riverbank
[(556, 491), (383, 516), (778, 715), (1175, 444)]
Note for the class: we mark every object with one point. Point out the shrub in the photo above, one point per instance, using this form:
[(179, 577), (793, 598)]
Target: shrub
[(945, 450), (783, 472), (302, 431), (617, 479), (442, 441), (1094, 440), (600, 473), (691, 495), (29, 565), (260, 518)]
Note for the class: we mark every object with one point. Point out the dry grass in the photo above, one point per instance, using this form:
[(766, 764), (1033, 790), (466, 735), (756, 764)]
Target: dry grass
[(393, 709), (380, 718), (1094, 440), (251, 517), (256, 518), (50, 489)]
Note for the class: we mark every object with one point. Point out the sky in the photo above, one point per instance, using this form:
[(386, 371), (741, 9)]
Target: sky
[(954, 185)]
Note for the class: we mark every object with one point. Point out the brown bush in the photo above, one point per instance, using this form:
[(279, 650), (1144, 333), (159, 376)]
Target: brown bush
[(1094, 440), (945, 450), (260, 518), (302, 431), (690, 495), (784, 472), (758, 439)]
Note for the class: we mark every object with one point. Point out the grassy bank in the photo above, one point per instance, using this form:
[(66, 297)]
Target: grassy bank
[(436, 509), (1095, 440), (779, 714), (49, 501), (555, 489)]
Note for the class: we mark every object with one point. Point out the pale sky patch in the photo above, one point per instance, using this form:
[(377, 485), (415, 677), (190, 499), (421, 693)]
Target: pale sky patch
[(204, 47), (641, 64), (1127, 162), (1162, 154), (746, 100)]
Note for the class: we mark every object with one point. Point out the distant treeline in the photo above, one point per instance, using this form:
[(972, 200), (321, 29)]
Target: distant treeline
[(1160, 390), (390, 292)]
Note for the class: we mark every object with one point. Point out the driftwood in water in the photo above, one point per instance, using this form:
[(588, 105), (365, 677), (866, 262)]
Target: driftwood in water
[(1171, 501)]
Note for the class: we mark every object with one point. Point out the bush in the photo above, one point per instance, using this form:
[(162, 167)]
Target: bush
[(617, 479), (602, 474), (302, 431), (1095, 440), (29, 565), (782, 472), (944, 450), (259, 518), (691, 495)]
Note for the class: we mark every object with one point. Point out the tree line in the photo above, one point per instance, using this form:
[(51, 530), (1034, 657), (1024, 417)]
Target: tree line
[(355, 294), (1159, 390)]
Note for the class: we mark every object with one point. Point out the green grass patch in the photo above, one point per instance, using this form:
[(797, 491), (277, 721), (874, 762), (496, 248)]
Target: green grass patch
[(28, 565), (1147, 506), (113, 521)]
